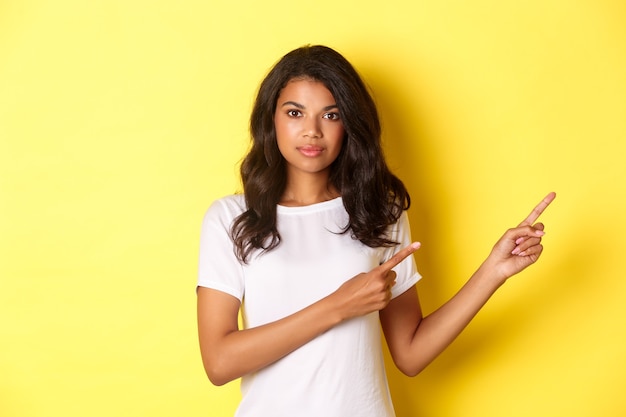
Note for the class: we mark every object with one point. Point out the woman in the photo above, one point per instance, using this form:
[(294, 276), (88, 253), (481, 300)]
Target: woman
[(309, 254)]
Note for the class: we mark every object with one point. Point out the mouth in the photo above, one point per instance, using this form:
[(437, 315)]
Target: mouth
[(310, 150)]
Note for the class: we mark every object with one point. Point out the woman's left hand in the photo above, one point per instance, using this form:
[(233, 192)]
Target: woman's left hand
[(521, 246)]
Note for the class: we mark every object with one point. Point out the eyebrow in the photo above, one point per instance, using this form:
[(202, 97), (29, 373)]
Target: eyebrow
[(302, 107)]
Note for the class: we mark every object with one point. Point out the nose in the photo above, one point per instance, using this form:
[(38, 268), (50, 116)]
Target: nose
[(312, 128)]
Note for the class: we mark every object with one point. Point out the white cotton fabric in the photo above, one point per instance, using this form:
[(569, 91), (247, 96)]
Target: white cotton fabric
[(341, 372)]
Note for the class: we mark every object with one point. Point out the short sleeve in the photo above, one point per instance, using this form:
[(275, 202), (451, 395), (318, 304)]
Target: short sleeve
[(406, 270), (218, 267)]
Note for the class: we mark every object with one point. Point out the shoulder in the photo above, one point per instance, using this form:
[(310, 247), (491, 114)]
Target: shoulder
[(399, 232), (234, 202), (226, 209), (401, 223)]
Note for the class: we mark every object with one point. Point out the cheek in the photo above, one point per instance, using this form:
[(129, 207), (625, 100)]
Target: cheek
[(338, 144), (281, 143), (281, 133), (285, 128), (339, 136)]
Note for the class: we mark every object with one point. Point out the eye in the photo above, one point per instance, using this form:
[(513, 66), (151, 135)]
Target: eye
[(294, 113), (332, 116)]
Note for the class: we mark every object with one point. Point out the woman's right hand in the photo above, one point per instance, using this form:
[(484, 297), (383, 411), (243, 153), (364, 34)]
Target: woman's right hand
[(229, 353), (370, 291)]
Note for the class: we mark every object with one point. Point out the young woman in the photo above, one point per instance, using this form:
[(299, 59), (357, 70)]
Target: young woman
[(317, 256)]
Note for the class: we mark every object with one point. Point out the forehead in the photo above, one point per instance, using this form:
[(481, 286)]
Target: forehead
[(305, 89)]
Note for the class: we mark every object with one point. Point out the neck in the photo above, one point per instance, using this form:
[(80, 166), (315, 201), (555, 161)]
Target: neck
[(307, 190)]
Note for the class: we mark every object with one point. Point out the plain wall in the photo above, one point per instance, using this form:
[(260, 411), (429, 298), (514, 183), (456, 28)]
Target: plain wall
[(120, 122)]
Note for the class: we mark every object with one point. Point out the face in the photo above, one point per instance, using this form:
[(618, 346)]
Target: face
[(309, 129)]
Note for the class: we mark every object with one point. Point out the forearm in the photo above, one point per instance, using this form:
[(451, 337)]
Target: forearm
[(414, 341), (435, 332), (229, 353), (239, 352)]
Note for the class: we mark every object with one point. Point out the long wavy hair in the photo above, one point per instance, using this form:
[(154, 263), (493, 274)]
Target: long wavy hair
[(373, 197)]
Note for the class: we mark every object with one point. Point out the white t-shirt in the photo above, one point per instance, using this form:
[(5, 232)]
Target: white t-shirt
[(341, 372)]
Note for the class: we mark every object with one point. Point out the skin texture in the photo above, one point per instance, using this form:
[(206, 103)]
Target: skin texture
[(309, 133), (306, 116), (415, 341)]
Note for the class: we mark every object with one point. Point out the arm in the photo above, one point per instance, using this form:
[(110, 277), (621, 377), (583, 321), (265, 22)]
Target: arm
[(228, 352), (415, 341)]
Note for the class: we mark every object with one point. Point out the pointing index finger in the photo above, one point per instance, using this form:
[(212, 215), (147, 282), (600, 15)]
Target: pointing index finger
[(399, 256), (534, 215)]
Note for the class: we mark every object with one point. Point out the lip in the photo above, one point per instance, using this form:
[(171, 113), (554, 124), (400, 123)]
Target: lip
[(310, 150)]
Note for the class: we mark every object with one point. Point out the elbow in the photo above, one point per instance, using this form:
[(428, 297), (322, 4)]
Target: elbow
[(217, 378), (411, 372), (217, 373), (410, 368), (218, 365), (218, 381)]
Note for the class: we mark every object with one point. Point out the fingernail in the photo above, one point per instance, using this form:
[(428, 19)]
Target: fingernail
[(540, 232), (515, 251), (520, 240), (416, 245)]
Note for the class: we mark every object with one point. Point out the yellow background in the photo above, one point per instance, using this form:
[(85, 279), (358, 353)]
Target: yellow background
[(120, 121)]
